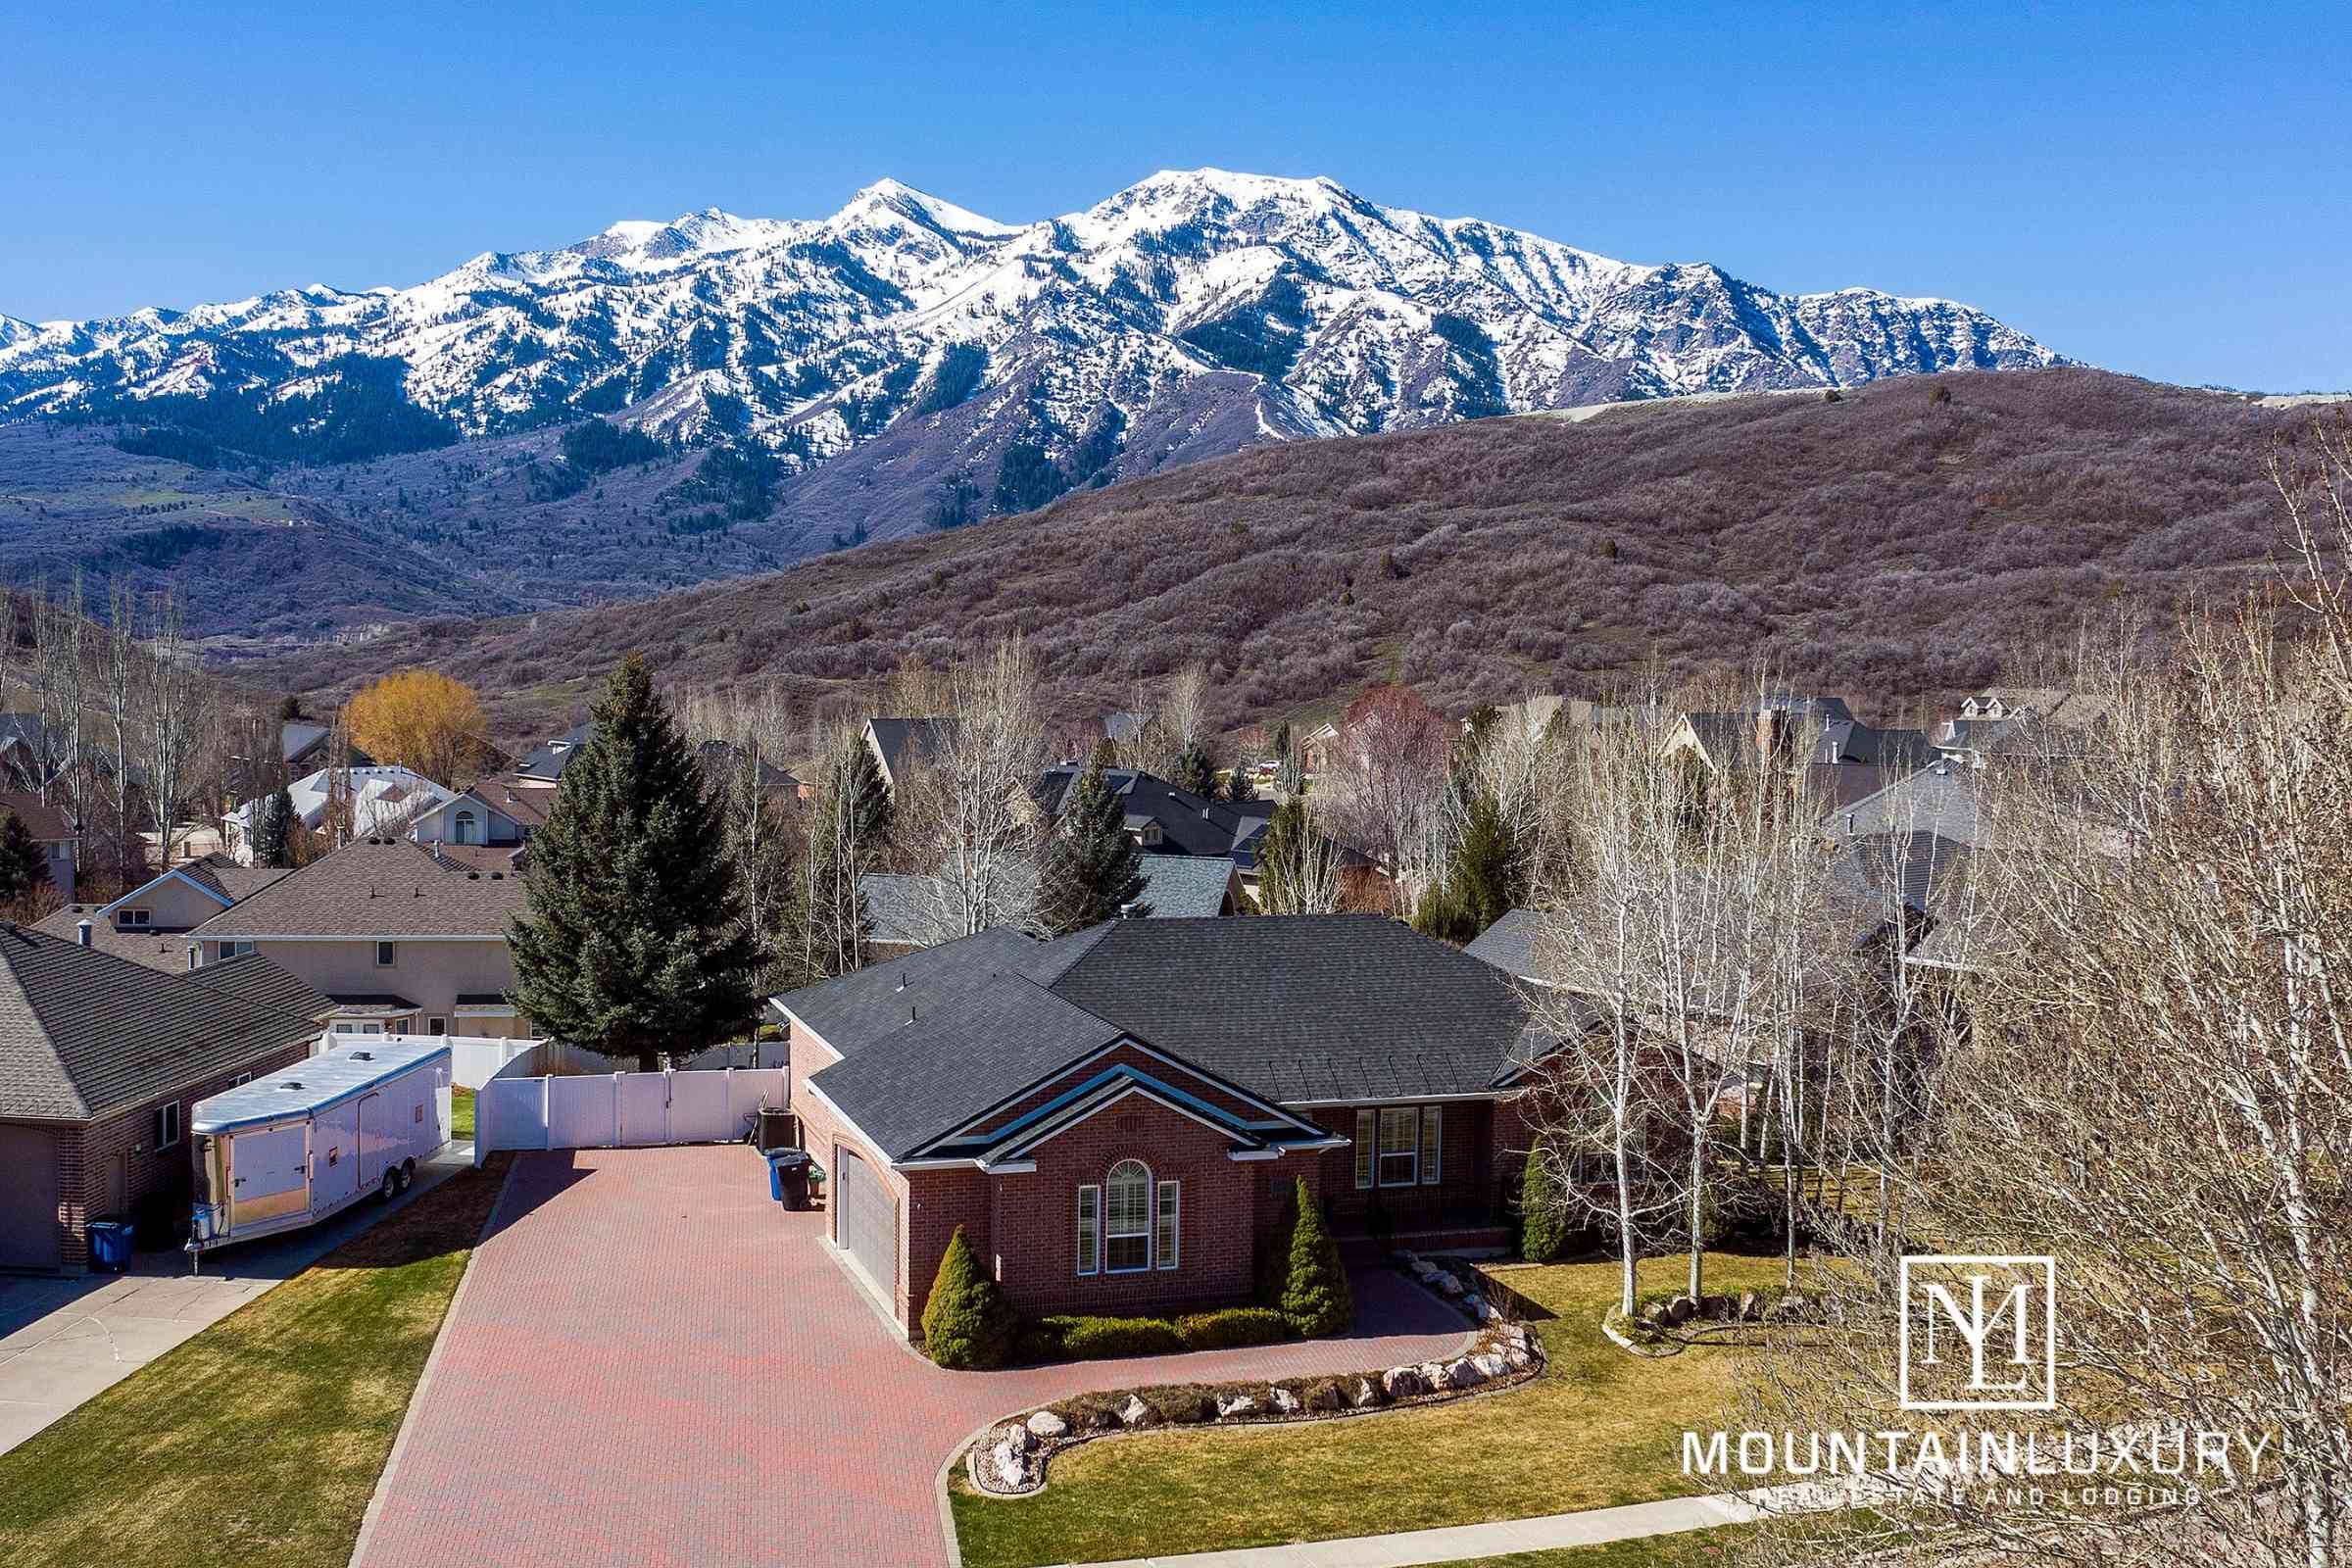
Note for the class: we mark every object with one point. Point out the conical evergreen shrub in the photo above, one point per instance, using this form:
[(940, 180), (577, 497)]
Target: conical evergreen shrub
[(967, 1324), (1315, 1297)]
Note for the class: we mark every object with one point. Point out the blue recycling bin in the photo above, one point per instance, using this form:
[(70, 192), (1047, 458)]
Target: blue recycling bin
[(787, 1177), (110, 1245)]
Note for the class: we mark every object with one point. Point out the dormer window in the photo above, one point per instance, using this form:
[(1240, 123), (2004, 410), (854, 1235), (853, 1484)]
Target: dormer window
[(134, 919), (464, 829)]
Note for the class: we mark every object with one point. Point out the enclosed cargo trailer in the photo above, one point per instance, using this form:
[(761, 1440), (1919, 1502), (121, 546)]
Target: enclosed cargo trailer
[(289, 1148)]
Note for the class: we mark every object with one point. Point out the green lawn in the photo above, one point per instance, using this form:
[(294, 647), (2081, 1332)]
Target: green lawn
[(1598, 1428), (1696, 1549), (257, 1443), (461, 1113)]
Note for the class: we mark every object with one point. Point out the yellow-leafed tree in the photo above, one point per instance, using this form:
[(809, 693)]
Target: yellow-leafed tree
[(419, 718)]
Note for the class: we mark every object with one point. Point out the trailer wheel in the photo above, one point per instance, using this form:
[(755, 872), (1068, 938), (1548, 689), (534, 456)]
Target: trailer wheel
[(407, 1174), (390, 1186)]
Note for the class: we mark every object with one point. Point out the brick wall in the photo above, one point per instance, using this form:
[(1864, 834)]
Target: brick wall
[(84, 1152), (1035, 1219), (1464, 1194)]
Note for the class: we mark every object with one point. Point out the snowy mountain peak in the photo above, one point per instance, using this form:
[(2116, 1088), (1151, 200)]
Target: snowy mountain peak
[(906, 349)]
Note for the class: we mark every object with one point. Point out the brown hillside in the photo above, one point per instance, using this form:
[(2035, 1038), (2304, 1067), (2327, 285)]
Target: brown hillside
[(1897, 542)]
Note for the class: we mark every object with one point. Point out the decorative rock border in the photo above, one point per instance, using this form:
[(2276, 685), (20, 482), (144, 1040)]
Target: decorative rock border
[(1009, 1459)]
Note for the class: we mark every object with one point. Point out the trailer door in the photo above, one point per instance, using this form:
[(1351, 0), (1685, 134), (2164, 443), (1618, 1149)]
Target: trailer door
[(267, 1174), (375, 1141)]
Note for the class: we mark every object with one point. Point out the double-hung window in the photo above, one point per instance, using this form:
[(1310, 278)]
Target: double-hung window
[(1090, 1230), (1399, 1145), (1167, 1224), (1127, 1218)]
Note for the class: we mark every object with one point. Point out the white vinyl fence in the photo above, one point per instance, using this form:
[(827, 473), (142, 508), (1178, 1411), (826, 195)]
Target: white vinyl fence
[(524, 1106)]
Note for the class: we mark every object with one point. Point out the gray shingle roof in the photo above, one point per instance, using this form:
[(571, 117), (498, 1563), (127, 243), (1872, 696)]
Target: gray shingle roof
[(1301, 1007), (376, 889), (82, 1031), (1188, 823), (167, 951), (902, 741), (1939, 799), (1288, 1009), (1509, 944), (253, 978)]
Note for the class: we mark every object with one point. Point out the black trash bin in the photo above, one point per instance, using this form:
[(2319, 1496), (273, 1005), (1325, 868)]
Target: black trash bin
[(787, 1177)]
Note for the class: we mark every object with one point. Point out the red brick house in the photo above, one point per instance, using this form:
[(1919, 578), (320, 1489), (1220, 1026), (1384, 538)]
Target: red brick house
[(1118, 1119), (100, 1059)]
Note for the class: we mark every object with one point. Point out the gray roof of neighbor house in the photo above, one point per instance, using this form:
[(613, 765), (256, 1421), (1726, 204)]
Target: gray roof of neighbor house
[(1939, 799), (250, 977), (156, 950), (82, 1032), (902, 741), (1291, 1009), (1509, 944), (221, 877), (45, 822), (1184, 887), (379, 888), (549, 758), (1188, 823), (902, 906)]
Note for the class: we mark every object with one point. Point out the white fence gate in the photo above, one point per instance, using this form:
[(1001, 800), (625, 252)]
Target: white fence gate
[(518, 1108)]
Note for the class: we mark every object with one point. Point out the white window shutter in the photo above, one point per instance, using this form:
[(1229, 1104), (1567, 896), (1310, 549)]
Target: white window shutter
[(1363, 1149), (1170, 1224), (1090, 1228), (1432, 1134)]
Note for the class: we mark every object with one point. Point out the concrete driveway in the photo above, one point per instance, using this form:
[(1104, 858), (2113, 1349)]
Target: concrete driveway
[(62, 1340), (652, 1363)]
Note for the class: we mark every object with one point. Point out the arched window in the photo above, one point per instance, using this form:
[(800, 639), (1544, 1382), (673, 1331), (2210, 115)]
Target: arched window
[(1127, 1218), (465, 828)]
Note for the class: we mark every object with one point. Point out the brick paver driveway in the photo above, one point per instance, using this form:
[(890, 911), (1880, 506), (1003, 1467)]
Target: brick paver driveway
[(652, 1363)]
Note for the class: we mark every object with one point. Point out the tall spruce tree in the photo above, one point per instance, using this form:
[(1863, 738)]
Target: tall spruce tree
[(274, 832), (22, 865), (1090, 869), (634, 943), (1196, 771)]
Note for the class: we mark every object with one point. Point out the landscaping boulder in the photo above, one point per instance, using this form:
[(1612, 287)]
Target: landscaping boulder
[(1487, 1311), (1136, 1413), (1463, 1374), (1491, 1364), (1682, 1309), (1519, 1358), (1750, 1307), (1449, 1286), (1230, 1405), (1018, 1437), (1403, 1382), (1046, 1424), (1369, 1391), (1009, 1466), (1654, 1314)]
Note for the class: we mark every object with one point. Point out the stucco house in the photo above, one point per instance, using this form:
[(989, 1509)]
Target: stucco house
[(403, 938), (53, 830), (151, 922), (383, 799), (1118, 1119), (99, 1061)]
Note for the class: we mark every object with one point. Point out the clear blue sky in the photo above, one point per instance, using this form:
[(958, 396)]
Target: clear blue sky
[(2144, 186)]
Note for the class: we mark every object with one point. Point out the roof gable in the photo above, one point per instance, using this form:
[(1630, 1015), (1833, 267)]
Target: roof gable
[(381, 889)]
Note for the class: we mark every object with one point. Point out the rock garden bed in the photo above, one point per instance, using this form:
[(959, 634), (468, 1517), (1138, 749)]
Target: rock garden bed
[(1665, 1325), (1011, 1458)]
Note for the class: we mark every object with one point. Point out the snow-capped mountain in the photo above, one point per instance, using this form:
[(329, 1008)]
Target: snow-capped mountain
[(977, 366)]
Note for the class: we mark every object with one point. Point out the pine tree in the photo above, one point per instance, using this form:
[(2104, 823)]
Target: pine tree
[(1195, 771), (634, 942), (967, 1324), (1091, 869), (1314, 1294), (1486, 877), (24, 866), (1239, 785), (273, 831)]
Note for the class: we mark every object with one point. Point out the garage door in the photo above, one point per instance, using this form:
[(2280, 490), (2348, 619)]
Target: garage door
[(28, 1233), (869, 1222)]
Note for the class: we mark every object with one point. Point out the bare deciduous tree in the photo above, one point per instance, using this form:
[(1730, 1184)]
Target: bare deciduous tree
[(967, 817)]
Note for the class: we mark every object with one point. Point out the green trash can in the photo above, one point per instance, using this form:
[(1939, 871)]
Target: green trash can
[(110, 1245)]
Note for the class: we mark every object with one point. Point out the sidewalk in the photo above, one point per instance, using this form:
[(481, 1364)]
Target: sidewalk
[(63, 1338), (1459, 1543)]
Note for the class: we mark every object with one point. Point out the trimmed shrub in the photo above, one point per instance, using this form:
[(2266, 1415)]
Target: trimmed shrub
[(1232, 1327), (967, 1324), (1314, 1294), (1077, 1337), (1182, 1404), (1543, 1227)]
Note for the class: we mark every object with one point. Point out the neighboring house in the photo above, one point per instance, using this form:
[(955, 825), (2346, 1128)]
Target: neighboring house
[(901, 745), (1167, 820), (384, 798), (1318, 747), (1939, 799), (2013, 718), (1117, 1120), (1783, 728), (403, 938), (150, 923), (502, 811), (53, 830), (543, 764), (905, 909), (99, 1062)]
